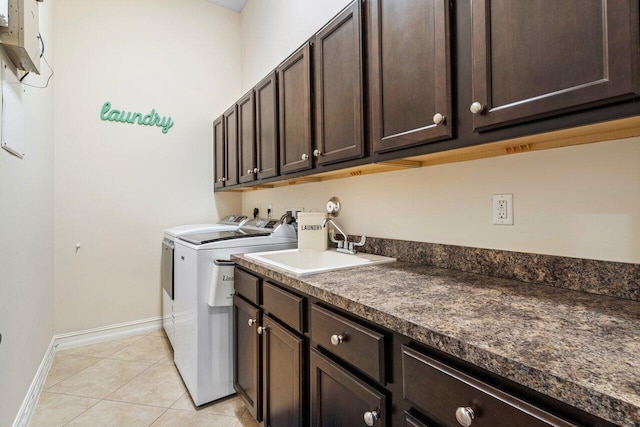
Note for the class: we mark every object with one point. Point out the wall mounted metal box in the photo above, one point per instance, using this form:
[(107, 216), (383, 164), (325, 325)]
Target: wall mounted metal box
[(20, 39)]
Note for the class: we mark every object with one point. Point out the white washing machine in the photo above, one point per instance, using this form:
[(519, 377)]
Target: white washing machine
[(228, 223), (203, 302)]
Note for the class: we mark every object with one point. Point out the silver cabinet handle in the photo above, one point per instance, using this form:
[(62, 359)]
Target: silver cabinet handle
[(337, 339), (224, 179), (219, 179), (262, 329), (439, 118), (370, 417), (465, 416), (249, 171), (256, 170), (476, 108), (251, 322), (305, 157), (317, 152)]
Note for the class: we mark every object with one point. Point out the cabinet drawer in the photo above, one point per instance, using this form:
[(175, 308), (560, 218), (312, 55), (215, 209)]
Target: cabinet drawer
[(353, 342), (283, 305), (440, 391), (247, 285), (410, 421)]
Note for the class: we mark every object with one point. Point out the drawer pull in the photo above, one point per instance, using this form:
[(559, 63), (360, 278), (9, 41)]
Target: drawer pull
[(262, 329), (465, 416), (251, 322), (337, 339), (370, 417)]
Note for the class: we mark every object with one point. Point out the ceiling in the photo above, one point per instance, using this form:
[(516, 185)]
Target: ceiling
[(236, 5)]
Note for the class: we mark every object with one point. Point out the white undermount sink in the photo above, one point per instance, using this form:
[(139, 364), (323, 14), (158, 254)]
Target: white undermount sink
[(305, 262)]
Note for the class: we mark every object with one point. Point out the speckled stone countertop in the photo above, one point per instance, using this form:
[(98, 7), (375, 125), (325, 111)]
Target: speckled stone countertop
[(579, 348)]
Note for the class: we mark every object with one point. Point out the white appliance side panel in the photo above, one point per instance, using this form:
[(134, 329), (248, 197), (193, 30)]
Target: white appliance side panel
[(185, 307), (168, 322)]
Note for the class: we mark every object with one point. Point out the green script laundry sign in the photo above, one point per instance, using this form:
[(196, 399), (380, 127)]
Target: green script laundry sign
[(151, 119)]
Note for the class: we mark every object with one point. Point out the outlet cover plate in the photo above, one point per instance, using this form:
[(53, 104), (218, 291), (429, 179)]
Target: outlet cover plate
[(503, 209)]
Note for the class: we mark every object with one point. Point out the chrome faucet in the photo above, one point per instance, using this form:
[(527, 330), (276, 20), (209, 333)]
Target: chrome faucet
[(343, 245)]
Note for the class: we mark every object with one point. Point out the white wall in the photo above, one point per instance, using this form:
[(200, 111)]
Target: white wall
[(26, 241), (581, 201), (119, 185), (273, 29)]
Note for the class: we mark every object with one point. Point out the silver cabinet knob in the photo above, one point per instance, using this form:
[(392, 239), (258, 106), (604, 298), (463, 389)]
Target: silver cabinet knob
[(370, 417), (439, 118), (262, 329), (256, 170), (249, 171), (305, 157), (337, 339), (465, 416), (251, 322), (224, 179), (317, 152), (476, 108)]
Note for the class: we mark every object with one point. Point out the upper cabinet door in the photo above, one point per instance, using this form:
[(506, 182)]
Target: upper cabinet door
[(231, 145), (535, 58), (409, 72), (266, 94), (338, 88), (294, 86), (218, 153), (246, 139)]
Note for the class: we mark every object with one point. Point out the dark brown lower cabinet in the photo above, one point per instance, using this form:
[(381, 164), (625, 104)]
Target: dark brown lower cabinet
[(248, 364), (339, 398), (283, 376)]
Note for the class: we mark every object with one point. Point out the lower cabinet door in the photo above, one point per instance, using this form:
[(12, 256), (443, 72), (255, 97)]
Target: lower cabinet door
[(283, 380), (247, 362), (339, 398)]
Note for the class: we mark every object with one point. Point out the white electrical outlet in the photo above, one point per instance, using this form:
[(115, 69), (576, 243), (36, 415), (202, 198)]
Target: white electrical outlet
[(503, 209), (294, 211)]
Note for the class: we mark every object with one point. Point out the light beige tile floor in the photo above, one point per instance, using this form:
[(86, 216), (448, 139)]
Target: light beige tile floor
[(127, 383)]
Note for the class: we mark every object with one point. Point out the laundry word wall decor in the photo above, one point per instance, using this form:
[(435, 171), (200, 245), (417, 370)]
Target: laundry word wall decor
[(121, 116)]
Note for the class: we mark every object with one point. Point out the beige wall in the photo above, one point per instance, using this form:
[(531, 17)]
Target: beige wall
[(26, 242), (119, 185), (580, 201)]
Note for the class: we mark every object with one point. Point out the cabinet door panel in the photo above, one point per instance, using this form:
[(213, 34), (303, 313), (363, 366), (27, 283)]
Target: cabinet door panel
[(283, 386), (339, 94), (246, 138), (267, 127), (339, 398), (294, 92), (218, 153), (410, 77), (231, 146), (534, 58), (247, 379)]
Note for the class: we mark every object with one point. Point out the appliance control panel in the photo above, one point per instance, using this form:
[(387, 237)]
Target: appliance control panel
[(238, 220), (261, 223)]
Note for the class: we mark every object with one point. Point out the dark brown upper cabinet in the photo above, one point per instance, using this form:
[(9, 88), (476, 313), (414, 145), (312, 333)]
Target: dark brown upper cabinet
[(219, 162), (231, 146), (247, 170), (338, 80), (409, 73), (266, 94), (532, 59), (294, 93)]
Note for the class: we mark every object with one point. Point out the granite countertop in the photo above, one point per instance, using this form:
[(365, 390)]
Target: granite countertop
[(579, 348)]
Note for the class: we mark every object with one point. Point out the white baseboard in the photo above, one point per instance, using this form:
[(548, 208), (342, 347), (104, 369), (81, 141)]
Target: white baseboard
[(33, 393), (107, 333), (72, 340)]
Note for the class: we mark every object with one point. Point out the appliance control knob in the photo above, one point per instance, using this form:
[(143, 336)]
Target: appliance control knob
[(465, 416), (370, 417), (317, 152), (256, 170), (305, 157), (476, 108), (337, 339), (262, 330), (439, 118), (251, 322)]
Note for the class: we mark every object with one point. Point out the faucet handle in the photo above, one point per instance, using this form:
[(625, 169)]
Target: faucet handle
[(361, 242)]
